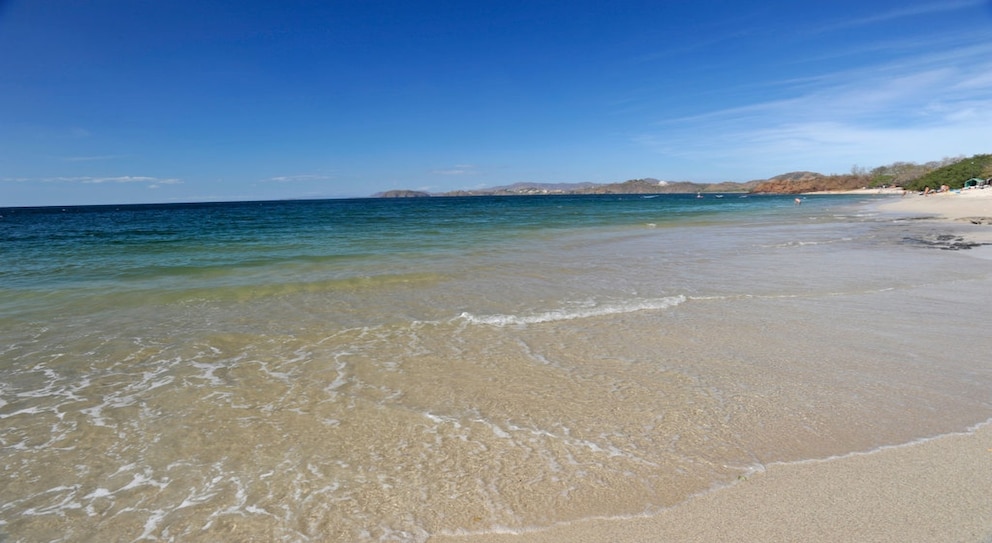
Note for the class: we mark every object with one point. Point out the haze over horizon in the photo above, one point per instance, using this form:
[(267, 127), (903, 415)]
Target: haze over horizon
[(117, 101)]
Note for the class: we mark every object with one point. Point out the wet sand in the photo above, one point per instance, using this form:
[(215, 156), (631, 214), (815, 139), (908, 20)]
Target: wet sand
[(936, 490), (970, 211), (613, 372)]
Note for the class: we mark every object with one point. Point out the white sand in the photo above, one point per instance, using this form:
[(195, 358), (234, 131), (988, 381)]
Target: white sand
[(971, 209), (932, 491), (890, 190), (949, 205)]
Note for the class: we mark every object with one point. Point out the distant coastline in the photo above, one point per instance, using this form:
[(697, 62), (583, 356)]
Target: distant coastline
[(633, 186), (608, 189), (952, 173), (789, 183)]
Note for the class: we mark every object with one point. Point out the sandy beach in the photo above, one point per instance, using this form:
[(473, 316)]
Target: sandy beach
[(559, 369), (934, 490), (970, 209), (955, 205)]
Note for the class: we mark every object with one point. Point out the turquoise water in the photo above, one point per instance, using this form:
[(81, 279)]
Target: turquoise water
[(159, 253), (385, 370), (174, 252), (83, 246)]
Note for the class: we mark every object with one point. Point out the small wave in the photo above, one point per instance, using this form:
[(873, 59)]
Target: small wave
[(584, 312), (800, 243)]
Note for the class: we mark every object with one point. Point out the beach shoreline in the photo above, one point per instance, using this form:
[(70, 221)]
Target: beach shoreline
[(967, 212), (953, 205), (929, 490), (933, 489), (508, 369), (893, 191)]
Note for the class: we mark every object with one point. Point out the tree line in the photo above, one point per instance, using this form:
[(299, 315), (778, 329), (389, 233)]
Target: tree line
[(952, 172)]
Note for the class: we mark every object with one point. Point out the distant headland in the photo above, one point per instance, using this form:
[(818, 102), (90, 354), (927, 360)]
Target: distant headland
[(952, 172)]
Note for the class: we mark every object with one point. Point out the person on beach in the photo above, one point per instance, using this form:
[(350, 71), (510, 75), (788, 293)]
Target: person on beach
[(799, 201)]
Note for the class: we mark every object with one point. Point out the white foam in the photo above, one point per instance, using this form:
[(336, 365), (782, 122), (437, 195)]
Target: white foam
[(98, 493), (497, 431), (151, 523), (208, 372), (582, 311), (339, 380)]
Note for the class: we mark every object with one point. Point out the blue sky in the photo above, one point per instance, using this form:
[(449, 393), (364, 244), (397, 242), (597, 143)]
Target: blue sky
[(123, 101)]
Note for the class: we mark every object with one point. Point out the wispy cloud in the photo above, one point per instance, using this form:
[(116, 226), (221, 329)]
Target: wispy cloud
[(296, 178), (458, 169), (125, 179), (903, 13), (907, 108), (89, 158), (79, 132), (96, 180)]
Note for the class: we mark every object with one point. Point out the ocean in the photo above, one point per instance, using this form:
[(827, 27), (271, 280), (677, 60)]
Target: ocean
[(391, 369)]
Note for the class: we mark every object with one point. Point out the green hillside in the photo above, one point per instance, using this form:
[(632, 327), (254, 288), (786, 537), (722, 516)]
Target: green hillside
[(954, 175)]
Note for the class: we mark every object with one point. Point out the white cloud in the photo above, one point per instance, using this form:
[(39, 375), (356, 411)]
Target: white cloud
[(124, 179), (905, 12), (120, 179), (908, 108), (296, 178), (458, 169), (97, 180)]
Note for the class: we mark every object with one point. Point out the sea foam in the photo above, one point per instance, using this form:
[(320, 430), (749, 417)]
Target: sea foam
[(583, 311)]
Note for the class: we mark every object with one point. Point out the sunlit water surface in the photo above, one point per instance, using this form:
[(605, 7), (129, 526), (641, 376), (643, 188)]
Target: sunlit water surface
[(384, 370)]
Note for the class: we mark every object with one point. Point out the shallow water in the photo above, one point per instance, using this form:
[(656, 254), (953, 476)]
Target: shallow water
[(384, 370)]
